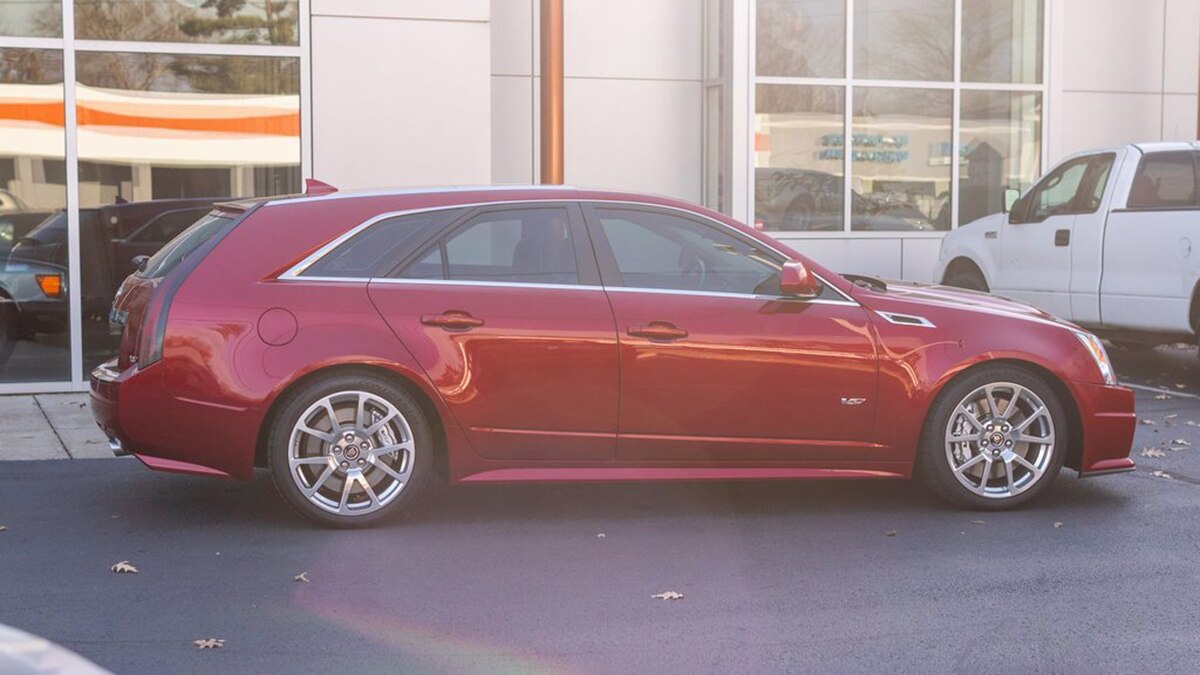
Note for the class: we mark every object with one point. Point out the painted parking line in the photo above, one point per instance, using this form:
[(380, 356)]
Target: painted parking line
[(1160, 390)]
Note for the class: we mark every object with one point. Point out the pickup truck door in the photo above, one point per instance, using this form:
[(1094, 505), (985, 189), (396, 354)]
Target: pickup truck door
[(1150, 266), (1036, 242)]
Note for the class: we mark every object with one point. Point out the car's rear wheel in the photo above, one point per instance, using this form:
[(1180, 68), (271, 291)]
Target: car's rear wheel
[(350, 450), (995, 439)]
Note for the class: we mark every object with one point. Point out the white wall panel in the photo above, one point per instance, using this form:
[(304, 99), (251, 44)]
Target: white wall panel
[(1094, 120), (659, 39), (1182, 63), (639, 135), (401, 102), (1113, 45), (1179, 117), (919, 258), (512, 37), (512, 129)]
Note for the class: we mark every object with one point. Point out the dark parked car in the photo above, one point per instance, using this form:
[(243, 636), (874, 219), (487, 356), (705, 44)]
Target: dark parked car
[(357, 345), (788, 200)]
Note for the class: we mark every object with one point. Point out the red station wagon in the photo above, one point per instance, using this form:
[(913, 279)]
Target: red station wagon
[(358, 344)]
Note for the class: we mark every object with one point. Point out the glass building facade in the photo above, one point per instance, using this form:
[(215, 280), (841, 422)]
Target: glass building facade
[(119, 121)]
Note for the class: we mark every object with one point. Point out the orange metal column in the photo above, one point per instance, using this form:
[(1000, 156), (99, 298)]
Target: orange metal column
[(552, 92)]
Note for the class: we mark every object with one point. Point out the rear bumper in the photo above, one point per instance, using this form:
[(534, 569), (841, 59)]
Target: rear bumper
[(1108, 421)]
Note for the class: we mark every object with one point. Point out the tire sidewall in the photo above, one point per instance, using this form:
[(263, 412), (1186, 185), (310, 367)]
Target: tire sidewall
[(279, 438), (932, 465)]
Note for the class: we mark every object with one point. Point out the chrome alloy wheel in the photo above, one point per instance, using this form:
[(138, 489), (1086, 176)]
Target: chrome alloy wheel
[(1000, 440), (351, 453)]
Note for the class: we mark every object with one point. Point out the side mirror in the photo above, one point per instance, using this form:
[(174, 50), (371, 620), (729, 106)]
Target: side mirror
[(795, 280), (139, 262), (1011, 195)]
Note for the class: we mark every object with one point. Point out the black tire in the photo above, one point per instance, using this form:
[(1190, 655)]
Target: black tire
[(416, 466), (933, 456), (969, 279)]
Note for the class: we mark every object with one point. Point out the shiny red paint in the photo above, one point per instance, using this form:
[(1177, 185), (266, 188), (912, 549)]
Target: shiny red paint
[(582, 383)]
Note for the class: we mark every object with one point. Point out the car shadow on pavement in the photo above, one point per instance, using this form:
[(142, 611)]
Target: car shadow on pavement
[(161, 497)]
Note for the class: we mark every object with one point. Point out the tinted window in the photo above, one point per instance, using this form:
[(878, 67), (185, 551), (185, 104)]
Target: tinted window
[(1164, 180), (658, 250), (180, 247), (518, 246), (167, 226), (380, 247)]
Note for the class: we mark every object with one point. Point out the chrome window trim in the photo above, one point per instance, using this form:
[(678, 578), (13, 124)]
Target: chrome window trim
[(486, 284), (399, 192), (293, 273)]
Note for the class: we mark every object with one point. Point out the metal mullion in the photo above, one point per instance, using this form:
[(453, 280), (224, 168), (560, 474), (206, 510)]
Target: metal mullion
[(808, 81), (306, 140), (905, 84), (1044, 151), (71, 139), (31, 42), (848, 124), (956, 117), (1000, 86), (199, 48)]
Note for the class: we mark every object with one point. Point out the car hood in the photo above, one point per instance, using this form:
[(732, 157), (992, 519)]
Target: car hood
[(947, 297)]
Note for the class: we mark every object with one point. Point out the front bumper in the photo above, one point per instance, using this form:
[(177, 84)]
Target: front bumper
[(1108, 422)]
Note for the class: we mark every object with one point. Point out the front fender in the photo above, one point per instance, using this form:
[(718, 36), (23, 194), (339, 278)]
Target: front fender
[(972, 242)]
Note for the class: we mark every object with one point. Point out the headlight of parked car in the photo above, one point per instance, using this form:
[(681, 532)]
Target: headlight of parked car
[(1096, 349)]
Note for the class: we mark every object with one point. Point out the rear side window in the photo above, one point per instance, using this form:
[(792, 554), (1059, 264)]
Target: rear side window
[(381, 246), (178, 249), (513, 246), (1164, 180), (167, 226)]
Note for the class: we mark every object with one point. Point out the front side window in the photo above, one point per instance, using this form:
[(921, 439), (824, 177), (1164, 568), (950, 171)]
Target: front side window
[(1164, 180), (661, 251), (1055, 195), (532, 246)]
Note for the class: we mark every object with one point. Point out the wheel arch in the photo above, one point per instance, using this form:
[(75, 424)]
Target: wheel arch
[(396, 376), (963, 263), (1194, 307), (1074, 456)]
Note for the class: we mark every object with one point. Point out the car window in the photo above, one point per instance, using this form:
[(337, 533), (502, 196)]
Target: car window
[(376, 250), (167, 226), (1164, 180), (662, 251), (513, 246), (1100, 170), (169, 256), (1055, 195)]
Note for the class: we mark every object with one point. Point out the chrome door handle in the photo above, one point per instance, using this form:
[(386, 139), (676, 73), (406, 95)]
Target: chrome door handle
[(657, 330), (452, 320)]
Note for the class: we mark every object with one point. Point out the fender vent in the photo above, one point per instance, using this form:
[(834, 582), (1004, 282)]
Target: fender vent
[(906, 319)]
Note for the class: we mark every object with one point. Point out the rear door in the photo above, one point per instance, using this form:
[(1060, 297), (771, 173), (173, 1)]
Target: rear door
[(1036, 242), (1150, 265), (506, 314)]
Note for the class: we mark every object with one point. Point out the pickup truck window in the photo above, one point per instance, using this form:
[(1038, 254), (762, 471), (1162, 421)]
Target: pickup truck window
[(1073, 188), (1164, 180)]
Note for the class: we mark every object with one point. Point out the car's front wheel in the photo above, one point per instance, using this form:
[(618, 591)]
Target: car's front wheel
[(995, 439), (350, 450)]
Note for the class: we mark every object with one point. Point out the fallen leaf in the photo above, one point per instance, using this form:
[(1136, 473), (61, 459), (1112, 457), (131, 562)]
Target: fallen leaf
[(1057, 524), (209, 643), (1181, 386), (978, 522), (82, 405), (601, 535), (302, 577), (668, 595), (124, 567), (1163, 397), (1146, 421), (1171, 416), (1191, 423), (1153, 452), (3, 528), (1182, 442), (1160, 474), (889, 533)]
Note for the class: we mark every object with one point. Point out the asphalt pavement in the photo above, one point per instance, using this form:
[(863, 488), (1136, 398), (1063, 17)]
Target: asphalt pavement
[(1099, 576)]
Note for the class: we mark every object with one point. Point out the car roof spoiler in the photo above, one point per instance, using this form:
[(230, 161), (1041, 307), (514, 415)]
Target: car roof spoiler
[(312, 188)]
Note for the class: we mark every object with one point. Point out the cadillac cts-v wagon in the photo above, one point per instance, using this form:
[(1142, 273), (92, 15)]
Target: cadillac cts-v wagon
[(359, 345)]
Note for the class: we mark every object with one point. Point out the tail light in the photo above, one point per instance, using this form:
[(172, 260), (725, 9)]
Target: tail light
[(758, 224), (51, 285)]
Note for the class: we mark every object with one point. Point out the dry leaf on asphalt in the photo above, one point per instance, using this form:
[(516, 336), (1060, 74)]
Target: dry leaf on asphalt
[(302, 577), (1171, 416), (668, 595), (1057, 524), (601, 535), (1160, 474), (209, 643), (124, 567), (1163, 397), (978, 522), (1182, 442), (1191, 423), (1181, 386), (889, 533), (3, 528), (1146, 421), (1153, 452)]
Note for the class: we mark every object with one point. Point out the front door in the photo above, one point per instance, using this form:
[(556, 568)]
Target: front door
[(1036, 242), (506, 315), (715, 364)]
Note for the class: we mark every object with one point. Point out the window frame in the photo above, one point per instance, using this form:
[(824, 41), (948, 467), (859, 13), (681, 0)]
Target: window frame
[(585, 257), (1020, 213)]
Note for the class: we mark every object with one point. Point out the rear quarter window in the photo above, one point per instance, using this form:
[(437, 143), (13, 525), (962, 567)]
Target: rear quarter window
[(1164, 180), (179, 248), (381, 246)]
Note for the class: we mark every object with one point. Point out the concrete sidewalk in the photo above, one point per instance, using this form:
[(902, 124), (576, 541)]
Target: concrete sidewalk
[(49, 426)]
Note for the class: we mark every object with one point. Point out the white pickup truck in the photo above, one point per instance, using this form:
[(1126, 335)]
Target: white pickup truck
[(1109, 239)]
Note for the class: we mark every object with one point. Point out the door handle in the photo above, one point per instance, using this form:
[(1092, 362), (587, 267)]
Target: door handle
[(657, 330), (452, 320), (1062, 237)]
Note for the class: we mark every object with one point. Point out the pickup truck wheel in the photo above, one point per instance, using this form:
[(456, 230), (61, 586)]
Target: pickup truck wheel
[(994, 439), (968, 279)]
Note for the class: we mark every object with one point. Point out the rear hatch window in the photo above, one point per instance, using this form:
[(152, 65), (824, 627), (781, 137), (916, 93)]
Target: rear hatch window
[(178, 249)]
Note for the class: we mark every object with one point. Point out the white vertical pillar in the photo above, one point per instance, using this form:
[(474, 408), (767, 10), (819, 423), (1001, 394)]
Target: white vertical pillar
[(70, 120), (739, 61)]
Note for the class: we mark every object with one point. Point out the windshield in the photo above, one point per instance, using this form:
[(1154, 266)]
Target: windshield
[(161, 263)]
